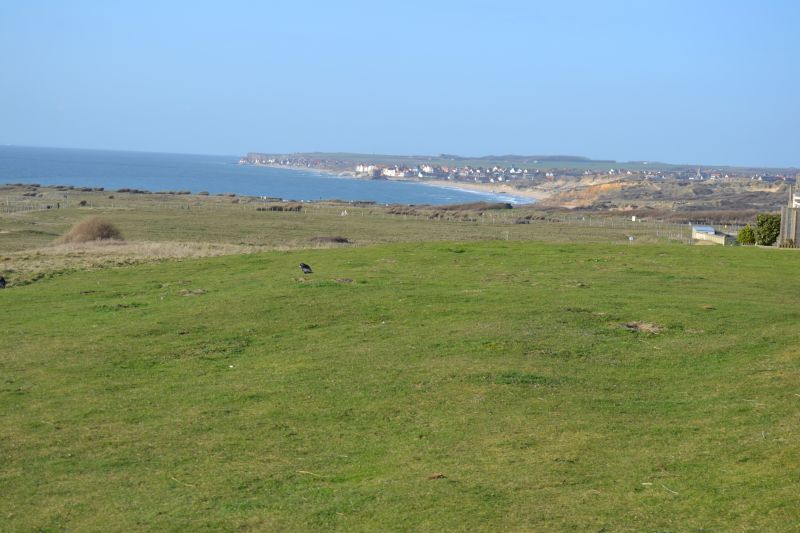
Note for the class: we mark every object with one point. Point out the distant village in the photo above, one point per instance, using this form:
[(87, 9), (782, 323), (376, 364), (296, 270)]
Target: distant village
[(520, 176)]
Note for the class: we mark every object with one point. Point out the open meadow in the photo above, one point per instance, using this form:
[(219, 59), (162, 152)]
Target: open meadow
[(176, 226), (456, 371)]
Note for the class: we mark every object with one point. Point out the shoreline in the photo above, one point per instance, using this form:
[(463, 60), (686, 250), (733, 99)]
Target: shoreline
[(496, 189), (490, 188)]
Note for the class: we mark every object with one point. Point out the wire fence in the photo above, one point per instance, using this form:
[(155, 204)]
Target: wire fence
[(518, 223)]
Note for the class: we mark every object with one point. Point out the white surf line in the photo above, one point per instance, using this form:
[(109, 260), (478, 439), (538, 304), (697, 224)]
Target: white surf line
[(493, 195)]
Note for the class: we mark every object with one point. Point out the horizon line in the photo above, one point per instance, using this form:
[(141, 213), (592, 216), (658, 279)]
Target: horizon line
[(440, 156)]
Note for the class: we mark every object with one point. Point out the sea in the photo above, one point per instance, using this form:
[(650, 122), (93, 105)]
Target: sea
[(215, 174)]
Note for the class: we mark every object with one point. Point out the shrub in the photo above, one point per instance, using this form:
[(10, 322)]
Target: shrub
[(768, 227), (337, 240), (91, 229), (746, 235), (282, 207), (476, 206)]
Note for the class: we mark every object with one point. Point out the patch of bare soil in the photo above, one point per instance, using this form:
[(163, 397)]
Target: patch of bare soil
[(192, 292), (643, 327)]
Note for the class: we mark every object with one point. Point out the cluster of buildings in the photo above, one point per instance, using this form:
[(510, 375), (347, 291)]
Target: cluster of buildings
[(494, 174), (499, 174), (717, 175), (296, 161)]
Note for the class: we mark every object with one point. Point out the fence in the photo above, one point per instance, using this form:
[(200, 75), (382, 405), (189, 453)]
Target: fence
[(512, 223)]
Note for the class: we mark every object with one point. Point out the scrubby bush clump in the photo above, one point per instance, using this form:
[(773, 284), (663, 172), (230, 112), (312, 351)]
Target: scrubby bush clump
[(295, 207), (768, 227), (91, 229), (746, 235), (476, 206), (335, 240)]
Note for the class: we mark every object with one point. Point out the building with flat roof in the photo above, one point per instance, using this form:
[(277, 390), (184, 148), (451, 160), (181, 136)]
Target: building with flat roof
[(708, 235)]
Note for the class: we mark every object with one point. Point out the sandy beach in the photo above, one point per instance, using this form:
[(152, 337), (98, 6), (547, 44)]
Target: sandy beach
[(491, 188)]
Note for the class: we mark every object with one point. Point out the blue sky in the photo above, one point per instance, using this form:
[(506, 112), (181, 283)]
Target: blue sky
[(714, 82)]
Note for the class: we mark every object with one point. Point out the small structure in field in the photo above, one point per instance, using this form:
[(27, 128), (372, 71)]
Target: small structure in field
[(708, 235)]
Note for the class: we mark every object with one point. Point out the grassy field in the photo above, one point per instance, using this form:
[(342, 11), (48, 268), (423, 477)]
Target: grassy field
[(158, 227), (488, 385)]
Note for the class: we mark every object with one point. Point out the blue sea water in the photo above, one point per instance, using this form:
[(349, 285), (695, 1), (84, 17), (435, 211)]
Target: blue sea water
[(215, 174)]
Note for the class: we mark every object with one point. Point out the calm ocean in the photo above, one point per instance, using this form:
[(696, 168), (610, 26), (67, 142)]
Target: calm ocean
[(215, 174)]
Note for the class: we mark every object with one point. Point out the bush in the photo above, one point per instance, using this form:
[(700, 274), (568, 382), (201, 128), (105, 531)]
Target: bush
[(91, 229), (476, 206), (336, 240), (768, 227), (282, 207), (746, 235)]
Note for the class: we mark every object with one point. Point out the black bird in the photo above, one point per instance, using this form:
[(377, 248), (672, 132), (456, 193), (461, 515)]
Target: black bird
[(2, 282), (306, 269)]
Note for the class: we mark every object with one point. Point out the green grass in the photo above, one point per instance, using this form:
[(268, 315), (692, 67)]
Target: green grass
[(160, 226), (173, 218), (459, 386)]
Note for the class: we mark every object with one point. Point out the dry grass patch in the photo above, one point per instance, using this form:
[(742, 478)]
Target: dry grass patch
[(31, 265)]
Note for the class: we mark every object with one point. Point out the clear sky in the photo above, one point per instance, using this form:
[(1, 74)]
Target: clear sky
[(703, 81)]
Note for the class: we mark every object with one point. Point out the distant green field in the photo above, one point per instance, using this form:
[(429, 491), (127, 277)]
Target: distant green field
[(482, 386)]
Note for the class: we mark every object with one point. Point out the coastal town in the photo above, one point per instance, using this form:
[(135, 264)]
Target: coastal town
[(528, 172)]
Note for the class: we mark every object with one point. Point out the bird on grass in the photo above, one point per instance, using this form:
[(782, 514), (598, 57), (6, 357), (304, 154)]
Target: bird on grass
[(306, 269)]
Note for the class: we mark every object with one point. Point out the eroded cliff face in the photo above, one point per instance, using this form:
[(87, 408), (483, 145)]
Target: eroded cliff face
[(673, 195)]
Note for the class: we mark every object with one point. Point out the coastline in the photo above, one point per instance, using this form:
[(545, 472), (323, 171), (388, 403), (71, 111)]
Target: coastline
[(489, 188), (495, 189)]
